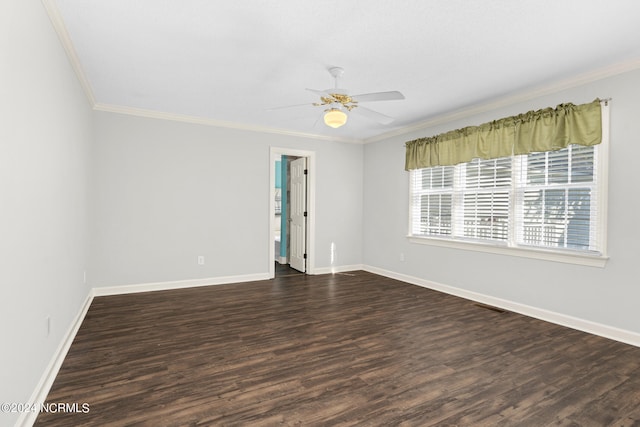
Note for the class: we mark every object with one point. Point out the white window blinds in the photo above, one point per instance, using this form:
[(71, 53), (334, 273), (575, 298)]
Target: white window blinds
[(484, 199), (432, 200), (557, 199), (544, 200)]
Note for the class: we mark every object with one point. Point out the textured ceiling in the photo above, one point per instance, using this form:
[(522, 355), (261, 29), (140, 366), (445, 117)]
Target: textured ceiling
[(229, 62)]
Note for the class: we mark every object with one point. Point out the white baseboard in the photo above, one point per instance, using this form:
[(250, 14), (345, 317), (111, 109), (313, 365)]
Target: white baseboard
[(617, 334), (336, 269), (179, 284), (44, 385), (41, 391)]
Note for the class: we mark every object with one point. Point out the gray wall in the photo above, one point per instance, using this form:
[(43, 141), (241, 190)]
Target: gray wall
[(166, 192), (45, 129), (135, 200), (607, 295)]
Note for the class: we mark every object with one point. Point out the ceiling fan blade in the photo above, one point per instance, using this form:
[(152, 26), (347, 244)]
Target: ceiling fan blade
[(289, 106), (320, 92), (373, 115), (378, 96)]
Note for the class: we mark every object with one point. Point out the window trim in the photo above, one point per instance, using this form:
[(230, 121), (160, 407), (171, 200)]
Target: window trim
[(563, 256), (566, 256)]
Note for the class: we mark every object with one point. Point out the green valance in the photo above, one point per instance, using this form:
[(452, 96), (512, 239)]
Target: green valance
[(548, 129)]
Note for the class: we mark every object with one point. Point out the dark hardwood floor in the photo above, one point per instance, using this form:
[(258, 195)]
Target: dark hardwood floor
[(336, 350), (282, 270)]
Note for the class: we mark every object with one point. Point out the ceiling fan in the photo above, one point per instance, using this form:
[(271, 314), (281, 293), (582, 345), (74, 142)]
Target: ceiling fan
[(339, 102)]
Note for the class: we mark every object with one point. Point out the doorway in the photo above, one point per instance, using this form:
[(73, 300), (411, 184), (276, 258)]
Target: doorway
[(291, 211)]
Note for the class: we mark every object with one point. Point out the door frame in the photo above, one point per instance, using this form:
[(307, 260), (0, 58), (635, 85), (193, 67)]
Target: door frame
[(311, 204)]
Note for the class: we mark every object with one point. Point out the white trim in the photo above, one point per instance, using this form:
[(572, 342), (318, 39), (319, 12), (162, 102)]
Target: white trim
[(41, 391), (581, 79), (43, 387), (178, 284), (141, 112), (337, 269), (274, 152), (562, 256), (617, 334), (509, 100), (534, 253), (67, 44), (603, 175)]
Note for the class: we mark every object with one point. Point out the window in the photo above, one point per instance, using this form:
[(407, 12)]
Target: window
[(557, 199), (549, 201)]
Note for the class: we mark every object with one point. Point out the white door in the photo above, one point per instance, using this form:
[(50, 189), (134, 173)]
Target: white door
[(298, 210)]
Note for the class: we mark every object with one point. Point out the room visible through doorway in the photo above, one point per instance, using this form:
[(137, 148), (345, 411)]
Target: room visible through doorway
[(291, 211)]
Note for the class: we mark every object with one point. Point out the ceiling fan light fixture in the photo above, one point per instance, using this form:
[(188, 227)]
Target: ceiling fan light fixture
[(335, 118)]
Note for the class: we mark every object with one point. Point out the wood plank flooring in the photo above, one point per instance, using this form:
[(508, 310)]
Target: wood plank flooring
[(336, 350)]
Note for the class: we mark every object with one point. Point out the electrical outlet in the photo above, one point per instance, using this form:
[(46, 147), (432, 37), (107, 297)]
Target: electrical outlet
[(48, 320), (200, 260), (402, 256)]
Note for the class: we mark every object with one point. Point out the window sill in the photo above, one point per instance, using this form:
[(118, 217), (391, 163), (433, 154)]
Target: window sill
[(543, 254)]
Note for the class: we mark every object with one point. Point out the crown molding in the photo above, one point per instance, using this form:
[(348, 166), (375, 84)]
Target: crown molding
[(65, 39), (67, 44), (526, 95), (141, 112)]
